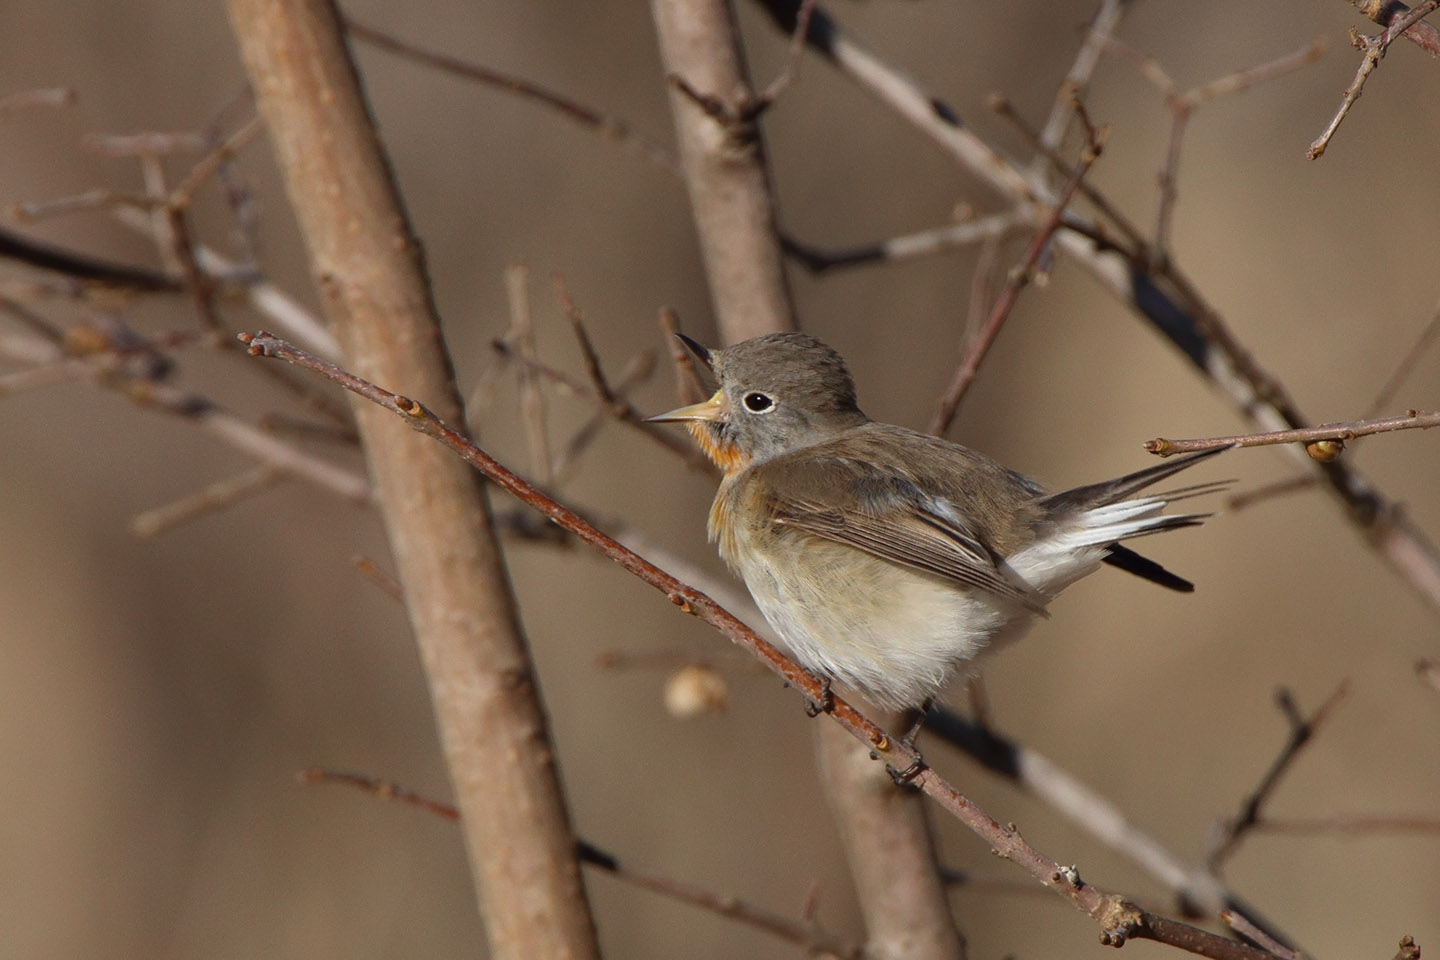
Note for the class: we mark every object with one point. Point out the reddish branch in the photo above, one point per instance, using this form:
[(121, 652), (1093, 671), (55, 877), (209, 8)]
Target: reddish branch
[(1019, 278), (1119, 919)]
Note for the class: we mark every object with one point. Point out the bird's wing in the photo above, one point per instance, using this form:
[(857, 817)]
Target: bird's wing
[(888, 516)]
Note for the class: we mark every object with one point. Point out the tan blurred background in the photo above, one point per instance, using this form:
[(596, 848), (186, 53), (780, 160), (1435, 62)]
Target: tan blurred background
[(158, 696)]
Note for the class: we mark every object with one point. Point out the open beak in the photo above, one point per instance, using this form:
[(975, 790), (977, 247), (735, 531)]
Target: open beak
[(716, 408)]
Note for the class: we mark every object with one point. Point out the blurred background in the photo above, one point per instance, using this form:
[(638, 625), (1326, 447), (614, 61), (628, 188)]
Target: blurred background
[(158, 696)]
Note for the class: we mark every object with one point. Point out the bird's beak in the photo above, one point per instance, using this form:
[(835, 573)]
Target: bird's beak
[(716, 408), (701, 352)]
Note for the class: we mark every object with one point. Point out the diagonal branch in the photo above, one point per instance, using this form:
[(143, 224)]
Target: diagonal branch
[(1119, 920)]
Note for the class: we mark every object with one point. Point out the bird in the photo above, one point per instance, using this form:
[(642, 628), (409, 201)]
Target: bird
[(886, 559)]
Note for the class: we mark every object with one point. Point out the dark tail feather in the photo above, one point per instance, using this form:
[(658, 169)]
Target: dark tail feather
[(1113, 491), (1128, 560)]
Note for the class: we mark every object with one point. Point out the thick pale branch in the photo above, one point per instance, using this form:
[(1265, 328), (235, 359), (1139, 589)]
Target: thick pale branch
[(372, 278)]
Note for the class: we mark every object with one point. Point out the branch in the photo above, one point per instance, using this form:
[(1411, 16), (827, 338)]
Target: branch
[(1386, 12), (1196, 888), (1165, 297), (372, 280), (1326, 432), (1119, 920), (815, 940), (1019, 278), (1374, 49), (1302, 729), (606, 126), (722, 157)]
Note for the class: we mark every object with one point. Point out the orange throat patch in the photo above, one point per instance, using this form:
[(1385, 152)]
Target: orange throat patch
[(722, 452)]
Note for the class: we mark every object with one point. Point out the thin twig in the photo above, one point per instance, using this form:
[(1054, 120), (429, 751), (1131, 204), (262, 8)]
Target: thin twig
[(384, 789), (38, 97), (922, 243), (791, 71), (1006, 110), (370, 570), (151, 143), (1406, 366), (1106, 19), (1120, 920), (1374, 49), (1019, 278), (99, 198), (1280, 488), (209, 499), (621, 411), (272, 302), (1386, 12), (1242, 925), (1302, 730), (210, 164), (607, 126), (1182, 107), (587, 346), (532, 402), (636, 372), (1343, 431), (813, 938), (113, 370), (1197, 888)]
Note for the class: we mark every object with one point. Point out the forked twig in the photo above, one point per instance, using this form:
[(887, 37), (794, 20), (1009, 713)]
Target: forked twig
[(1302, 730), (1019, 278), (1374, 49)]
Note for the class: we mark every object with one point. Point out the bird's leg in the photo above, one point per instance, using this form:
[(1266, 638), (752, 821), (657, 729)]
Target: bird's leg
[(826, 702), (918, 765), (921, 715)]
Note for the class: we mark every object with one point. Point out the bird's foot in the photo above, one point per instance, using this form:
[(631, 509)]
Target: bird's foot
[(906, 777), (825, 703), (918, 765)]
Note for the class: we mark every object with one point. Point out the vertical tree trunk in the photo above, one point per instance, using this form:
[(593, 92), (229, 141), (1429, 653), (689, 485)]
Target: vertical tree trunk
[(730, 197), (378, 299)]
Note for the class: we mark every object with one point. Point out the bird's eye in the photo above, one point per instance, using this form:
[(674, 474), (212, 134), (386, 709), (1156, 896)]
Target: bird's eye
[(757, 402)]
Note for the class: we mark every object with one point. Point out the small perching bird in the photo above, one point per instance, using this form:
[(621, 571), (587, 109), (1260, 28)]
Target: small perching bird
[(885, 558)]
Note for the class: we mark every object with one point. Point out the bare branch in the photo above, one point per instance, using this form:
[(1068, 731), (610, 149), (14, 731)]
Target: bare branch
[(38, 97), (814, 939), (1343, 431), (919, 244), (606, 126), (1119, 920), (1019, 278), (1374, 49), (1302, 729), (1165, 297), (1242, 925), (462, 610), (521, 338), (210, 499), (1386, 12)]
